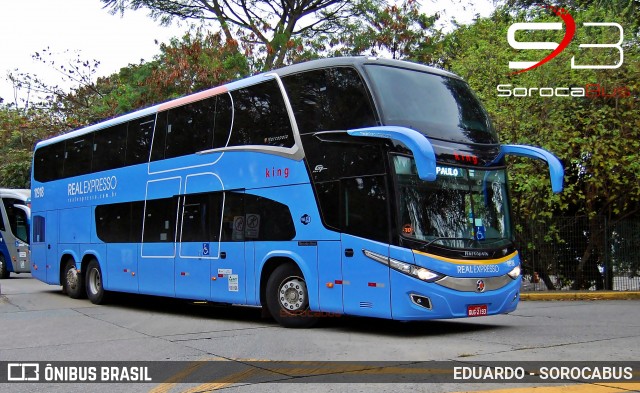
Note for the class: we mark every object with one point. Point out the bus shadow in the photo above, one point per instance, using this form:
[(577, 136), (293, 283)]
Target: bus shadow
[(409, 329), (362, 325), (187, 308)]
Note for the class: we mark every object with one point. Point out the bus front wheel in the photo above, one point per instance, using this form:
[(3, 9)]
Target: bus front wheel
[(288, 298), (95, 291), (73, 283)]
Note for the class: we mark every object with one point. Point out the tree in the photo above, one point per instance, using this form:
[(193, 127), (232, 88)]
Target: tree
[(266, 30), (19, 131), (399, 31), (196, 62)]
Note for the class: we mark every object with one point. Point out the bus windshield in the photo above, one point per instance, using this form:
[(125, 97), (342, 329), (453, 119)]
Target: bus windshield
[(18, 218), (438, 106), (463, 208)]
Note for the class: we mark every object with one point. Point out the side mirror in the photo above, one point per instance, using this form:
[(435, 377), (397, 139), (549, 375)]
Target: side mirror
[(422, 149), (556, 171)]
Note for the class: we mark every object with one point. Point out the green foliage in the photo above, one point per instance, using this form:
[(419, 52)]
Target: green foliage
[(399, 31), (198, 60), (19, 131)]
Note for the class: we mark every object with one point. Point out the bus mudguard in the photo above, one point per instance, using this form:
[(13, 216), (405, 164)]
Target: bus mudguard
[(306, 266)]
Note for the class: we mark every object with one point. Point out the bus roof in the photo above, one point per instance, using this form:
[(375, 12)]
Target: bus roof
[(284, 71), (17, 193)]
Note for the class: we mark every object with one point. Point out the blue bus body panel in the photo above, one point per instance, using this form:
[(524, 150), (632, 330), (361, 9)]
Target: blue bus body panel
[(449, 303), (366, 282), (330, 279), (121, 267), (228, 274), (445, 302), (77, 225)]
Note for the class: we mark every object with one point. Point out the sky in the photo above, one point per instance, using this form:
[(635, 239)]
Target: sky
[(83, 26)]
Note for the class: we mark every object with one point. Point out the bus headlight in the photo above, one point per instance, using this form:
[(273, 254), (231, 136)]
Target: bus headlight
[(415, 271), (403, 267), (515, 272)]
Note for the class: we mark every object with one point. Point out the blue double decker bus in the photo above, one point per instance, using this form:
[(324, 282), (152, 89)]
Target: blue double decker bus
[(356, 186)]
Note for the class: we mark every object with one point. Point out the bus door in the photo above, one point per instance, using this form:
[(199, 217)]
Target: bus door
[(365, 247), (228, 273), (22, 222), (199, 235), (158, 248), (44, 247)]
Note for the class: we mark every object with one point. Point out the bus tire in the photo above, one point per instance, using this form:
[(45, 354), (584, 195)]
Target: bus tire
[(4, 270), (95, 291), (288, 299), (72, 280)]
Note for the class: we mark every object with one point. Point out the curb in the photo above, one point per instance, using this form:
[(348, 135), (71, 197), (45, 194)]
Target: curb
[(577, 295)]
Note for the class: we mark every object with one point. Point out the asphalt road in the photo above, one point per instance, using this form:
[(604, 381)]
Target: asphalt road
[(39, 323)]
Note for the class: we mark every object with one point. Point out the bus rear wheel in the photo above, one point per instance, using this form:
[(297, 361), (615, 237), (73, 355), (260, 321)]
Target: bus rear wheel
[(4, 270), (288, 299), (95, 291), (73, 282)]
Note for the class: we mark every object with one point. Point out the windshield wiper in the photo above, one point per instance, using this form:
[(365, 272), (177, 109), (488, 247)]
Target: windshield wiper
[(448, 238), (495, 240), (484, 241)]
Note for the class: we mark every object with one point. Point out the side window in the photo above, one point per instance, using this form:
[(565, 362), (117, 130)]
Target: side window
[(255, 218), (78, 154), (201, 217), (109, 148), (38, 229), (329, 99), (267, 220), (160, 220), (119, 222), (194, 127), (365, 207), (328, 194), (233, 218), (190, 128), (335, 165), (139, 136), (336, 159), (224, 120), (48, 162), (261, 117)]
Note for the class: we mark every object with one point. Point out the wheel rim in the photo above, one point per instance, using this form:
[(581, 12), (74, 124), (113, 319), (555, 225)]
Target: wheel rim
[(95, 283), (292, 294), (72, 278)]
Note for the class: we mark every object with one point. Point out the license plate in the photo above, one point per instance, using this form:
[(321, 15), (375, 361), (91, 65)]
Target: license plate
[(477, 310)]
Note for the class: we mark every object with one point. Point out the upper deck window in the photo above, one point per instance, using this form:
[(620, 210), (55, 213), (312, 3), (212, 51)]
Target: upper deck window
[(329, 99), (438, 106)]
